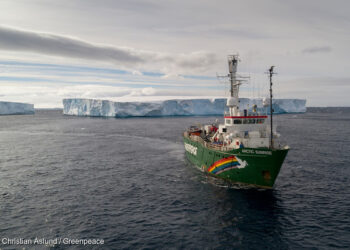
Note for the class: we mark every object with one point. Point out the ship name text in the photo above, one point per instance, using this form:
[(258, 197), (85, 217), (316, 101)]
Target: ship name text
[(258, 152)]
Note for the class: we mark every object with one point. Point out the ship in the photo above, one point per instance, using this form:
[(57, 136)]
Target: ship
[(245, 149)]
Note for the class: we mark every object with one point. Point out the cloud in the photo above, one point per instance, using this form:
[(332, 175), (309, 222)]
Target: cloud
[(44, 95), (68, 47), (137, 73), (313, 50)]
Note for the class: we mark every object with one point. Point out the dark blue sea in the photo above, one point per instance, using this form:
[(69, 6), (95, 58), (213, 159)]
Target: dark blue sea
[(127, 181)]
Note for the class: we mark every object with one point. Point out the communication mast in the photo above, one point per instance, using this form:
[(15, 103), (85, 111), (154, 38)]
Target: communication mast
[(235, 82), (271, 73)]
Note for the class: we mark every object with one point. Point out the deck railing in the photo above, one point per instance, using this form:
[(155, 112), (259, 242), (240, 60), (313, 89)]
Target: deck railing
[(220, 147), (206, 144)]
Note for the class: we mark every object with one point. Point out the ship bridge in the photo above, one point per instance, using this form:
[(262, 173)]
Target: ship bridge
[(251, 119), (249, 130), (243, 123)]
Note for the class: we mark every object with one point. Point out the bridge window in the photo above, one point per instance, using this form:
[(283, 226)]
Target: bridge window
[(251, 121), (228, 121), (237, 121), (260, 121)]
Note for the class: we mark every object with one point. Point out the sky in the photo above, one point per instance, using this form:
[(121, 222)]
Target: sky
[(135, 50)]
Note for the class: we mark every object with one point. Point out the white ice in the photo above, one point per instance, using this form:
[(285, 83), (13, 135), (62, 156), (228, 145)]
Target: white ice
[(16, 108), (105, 108)]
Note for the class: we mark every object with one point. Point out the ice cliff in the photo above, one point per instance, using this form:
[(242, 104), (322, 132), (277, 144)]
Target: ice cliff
[(16, 108), (105, 108)]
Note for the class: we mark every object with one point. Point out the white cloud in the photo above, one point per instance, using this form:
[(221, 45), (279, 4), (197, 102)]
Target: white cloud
[(45, 95), (136, 72)]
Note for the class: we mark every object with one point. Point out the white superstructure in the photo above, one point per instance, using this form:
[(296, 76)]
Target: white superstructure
[(241, 129)]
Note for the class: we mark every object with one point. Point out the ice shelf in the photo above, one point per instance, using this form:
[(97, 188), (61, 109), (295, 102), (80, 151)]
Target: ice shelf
[(183, 107), (16, 108)]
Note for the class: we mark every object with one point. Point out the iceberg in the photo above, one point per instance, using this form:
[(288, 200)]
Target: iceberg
[(183, 107), (16, 108)]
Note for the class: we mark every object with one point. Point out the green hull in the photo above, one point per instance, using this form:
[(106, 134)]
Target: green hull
[(253, 166)]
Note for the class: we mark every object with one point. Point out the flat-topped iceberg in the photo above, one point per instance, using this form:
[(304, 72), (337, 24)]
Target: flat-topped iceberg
[(105, 108), (16, 108)]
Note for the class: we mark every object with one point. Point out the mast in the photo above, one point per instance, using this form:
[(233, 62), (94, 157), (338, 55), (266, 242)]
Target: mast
[(233, 101), (235, 82), (271, 73), (232, 66)]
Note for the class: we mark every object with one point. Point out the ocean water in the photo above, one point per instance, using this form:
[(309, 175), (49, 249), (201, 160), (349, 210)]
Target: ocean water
[(127, 181)]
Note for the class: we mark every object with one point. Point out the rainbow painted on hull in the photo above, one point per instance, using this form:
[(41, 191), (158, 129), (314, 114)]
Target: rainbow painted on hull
[(223, 165)]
